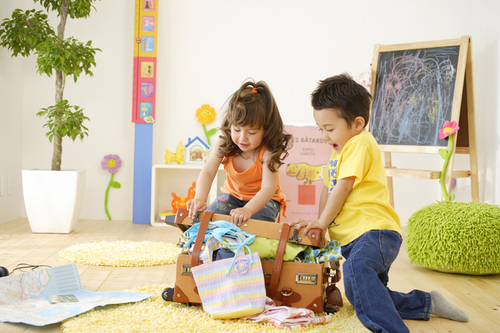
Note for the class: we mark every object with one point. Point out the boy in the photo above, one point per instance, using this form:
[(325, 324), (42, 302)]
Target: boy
[(354, 208)]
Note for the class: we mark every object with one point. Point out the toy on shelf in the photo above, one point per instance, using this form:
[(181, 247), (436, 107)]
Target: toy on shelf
[(197, 148), (180, 202), (167, 216), (177, 157)]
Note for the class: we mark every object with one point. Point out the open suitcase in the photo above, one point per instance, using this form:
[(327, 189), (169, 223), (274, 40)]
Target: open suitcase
[(294, 284)]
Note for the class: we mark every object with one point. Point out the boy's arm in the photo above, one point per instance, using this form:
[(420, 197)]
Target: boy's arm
[(266, 192), (322, 200), (204, 182), (336, 200), (334, 203)]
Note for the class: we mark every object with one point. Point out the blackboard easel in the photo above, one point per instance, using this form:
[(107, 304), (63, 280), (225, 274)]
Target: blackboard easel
[(416, 87)]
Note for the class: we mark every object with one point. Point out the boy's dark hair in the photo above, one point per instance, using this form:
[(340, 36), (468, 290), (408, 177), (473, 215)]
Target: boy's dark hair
[(346, 96), (253, 105)]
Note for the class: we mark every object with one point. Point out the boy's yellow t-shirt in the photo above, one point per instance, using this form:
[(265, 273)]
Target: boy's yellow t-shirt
[(367, 207)]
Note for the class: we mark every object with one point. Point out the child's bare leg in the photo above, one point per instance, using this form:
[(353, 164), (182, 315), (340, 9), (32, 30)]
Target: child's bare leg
[(442, 308)]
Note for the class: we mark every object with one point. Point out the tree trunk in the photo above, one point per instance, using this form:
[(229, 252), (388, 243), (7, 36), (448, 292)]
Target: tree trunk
[(60, 82)]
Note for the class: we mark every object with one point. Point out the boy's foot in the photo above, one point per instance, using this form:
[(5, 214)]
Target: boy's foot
[(442, 308)]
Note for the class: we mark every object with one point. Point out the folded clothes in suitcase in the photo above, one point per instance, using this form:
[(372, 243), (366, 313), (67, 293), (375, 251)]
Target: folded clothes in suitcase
[(295, 284)]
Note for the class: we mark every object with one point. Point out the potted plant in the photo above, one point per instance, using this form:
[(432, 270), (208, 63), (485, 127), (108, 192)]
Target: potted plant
[(29, 32)]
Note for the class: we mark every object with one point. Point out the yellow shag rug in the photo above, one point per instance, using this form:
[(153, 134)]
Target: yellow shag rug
[(156, 315), (122, 253)]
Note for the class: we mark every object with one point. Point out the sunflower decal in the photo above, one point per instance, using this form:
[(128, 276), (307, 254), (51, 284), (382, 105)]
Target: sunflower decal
[(206, 115)]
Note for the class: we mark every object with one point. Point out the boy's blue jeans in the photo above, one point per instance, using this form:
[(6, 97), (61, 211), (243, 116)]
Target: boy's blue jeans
[(368, 260), (225, 203)]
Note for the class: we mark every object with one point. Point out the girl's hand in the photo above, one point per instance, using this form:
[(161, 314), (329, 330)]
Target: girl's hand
[(308, 224), (240, 215), (195, 205)]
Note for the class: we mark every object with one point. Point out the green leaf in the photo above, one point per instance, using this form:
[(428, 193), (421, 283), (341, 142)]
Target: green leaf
[(116, 184), (452, 197), (212, 132), (24, 32), (60, 119), (443, 153)]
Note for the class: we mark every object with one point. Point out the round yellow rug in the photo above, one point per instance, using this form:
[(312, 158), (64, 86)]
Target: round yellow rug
[(122, 253), (156, 315)]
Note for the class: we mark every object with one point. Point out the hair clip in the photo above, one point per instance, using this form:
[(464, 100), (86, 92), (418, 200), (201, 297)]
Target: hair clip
[(254, 90)]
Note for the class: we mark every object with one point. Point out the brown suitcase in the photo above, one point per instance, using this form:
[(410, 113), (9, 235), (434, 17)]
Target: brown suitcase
[(300, 285)]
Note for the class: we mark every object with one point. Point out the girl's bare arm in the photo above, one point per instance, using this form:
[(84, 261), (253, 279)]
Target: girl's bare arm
[(204, 182)]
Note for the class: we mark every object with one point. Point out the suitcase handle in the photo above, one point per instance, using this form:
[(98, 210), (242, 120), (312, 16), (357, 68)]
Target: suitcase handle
[(278, 260), (195, 258)]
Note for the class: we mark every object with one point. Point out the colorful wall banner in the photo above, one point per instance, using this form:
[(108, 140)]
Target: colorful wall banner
[(144, 90)]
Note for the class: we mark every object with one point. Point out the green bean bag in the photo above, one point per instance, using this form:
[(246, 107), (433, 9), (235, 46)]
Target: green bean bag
[(455, 237)]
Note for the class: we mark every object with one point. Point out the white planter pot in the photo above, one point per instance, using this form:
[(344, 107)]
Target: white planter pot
[(53, 199)]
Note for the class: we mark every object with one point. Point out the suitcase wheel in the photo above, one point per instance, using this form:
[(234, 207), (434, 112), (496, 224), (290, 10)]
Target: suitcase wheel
[(330, 308), (168, 294)]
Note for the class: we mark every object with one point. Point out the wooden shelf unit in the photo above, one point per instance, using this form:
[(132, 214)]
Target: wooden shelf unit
[(168, 178)]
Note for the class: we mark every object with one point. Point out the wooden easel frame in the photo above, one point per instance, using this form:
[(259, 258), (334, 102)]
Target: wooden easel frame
[(462, 112)]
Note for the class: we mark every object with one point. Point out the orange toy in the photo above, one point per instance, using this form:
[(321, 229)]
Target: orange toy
[(180, 202)]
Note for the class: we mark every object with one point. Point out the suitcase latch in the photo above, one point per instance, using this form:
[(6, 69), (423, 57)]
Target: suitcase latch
[(185, 269), (294, 238), (306, 278), (286, 292)]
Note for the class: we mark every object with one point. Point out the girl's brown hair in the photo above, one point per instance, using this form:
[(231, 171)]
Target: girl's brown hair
[(254, 105)]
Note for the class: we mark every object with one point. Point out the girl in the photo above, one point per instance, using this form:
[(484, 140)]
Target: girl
[(251, 148)]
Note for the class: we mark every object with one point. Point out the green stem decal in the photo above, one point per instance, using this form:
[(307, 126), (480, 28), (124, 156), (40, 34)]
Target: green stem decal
[(106, 197), (111, 184), (445, 154), (206, 134)]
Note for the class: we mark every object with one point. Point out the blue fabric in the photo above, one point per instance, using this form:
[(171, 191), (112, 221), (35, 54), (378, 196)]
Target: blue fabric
[(216, 229), (225, 203), (368, 260)]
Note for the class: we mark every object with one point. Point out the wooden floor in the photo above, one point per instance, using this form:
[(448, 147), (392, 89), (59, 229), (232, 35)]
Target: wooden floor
[(478, 296)]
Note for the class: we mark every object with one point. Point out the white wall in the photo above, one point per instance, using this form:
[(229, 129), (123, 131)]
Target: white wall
[(11, 130), (206, 50)]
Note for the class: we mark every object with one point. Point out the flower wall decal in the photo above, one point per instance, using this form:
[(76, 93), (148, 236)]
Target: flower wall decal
[(111, 163), (206, 115), (449, 128)]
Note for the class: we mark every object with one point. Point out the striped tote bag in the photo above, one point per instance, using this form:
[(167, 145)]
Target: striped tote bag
[(232, 287)]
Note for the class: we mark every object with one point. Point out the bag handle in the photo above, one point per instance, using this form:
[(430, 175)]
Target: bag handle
[(195, 258), (278, 260)]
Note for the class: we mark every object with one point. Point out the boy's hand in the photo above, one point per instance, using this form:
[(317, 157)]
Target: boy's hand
[(240, 215), (308, 225), (195, 205)]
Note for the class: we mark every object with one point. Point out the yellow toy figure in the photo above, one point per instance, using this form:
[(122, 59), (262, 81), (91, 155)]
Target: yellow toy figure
[(180, 202), (177, 157)]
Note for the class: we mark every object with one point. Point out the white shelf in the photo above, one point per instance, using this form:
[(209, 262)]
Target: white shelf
[(168, 178)]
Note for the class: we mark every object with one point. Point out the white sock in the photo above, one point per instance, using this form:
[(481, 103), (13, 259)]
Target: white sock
[(442, 308)]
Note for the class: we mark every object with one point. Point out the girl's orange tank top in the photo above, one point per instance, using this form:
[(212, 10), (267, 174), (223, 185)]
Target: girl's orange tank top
[(245, 185)]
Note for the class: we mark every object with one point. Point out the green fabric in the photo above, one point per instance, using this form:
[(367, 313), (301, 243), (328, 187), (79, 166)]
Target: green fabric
[(455, 237), (267, 248)]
